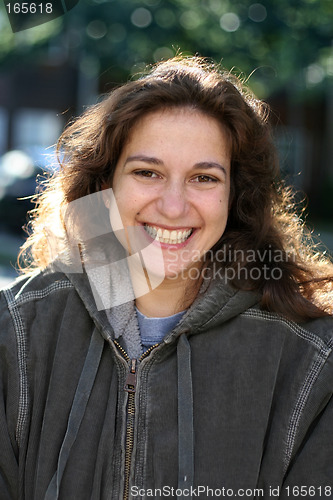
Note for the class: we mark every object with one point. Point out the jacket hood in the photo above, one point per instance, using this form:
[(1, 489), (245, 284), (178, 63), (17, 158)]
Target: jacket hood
[(215, 303)]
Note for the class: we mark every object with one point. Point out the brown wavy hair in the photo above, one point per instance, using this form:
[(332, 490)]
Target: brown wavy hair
[(262, 217)]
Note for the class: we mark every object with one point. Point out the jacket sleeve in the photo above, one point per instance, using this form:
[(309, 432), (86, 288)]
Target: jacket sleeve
[(310, 473), (9, 400)]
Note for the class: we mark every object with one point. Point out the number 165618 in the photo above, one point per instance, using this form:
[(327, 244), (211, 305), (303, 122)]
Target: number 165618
[(29, 8)]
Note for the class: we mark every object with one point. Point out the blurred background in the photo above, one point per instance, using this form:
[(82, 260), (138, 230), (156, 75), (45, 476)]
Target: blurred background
[(52, 72)]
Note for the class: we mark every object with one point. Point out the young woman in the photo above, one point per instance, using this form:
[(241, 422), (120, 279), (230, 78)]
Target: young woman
[(174, 334)]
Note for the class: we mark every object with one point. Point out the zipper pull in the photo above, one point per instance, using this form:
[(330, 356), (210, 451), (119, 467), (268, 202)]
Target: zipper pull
[(130, 384)]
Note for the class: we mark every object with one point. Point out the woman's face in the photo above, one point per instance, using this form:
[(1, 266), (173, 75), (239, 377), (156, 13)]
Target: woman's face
[(172, 184)]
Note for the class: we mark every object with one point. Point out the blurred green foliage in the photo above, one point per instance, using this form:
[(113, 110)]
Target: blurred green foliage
[(285, 41), (283, 46)]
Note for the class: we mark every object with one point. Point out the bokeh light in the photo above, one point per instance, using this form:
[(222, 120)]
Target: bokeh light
[(230, 22), (141, 17)]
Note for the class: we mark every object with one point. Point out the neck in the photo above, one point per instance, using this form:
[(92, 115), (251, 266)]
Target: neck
[(167, 299)]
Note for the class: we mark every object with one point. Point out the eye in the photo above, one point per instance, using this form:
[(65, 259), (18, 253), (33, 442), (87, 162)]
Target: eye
[(204, 178), (145, 173)]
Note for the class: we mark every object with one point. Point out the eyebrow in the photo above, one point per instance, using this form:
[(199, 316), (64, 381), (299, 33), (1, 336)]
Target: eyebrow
[(143, 158), (156, 161), (210, 164)]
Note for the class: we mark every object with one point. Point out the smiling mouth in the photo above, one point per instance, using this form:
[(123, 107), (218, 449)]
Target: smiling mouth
[(173, 237)]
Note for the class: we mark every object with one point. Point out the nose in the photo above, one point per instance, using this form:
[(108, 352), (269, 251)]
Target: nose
[(172, 201)]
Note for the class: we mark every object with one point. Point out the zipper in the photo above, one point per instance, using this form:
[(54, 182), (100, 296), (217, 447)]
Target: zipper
[(130, 388)]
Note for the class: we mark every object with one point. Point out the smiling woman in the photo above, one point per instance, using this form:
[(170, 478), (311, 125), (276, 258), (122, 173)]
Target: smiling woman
[(174, 330)]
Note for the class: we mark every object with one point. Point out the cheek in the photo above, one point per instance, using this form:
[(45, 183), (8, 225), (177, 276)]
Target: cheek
[(219, 215)]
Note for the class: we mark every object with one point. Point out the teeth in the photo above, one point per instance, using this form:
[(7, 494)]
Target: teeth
[(166, 236), (174, 236)]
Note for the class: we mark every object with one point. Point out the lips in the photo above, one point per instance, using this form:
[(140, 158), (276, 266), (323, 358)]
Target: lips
[(172, 237)]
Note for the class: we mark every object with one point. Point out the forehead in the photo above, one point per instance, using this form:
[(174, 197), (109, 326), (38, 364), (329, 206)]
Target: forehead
[(183, 126)]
